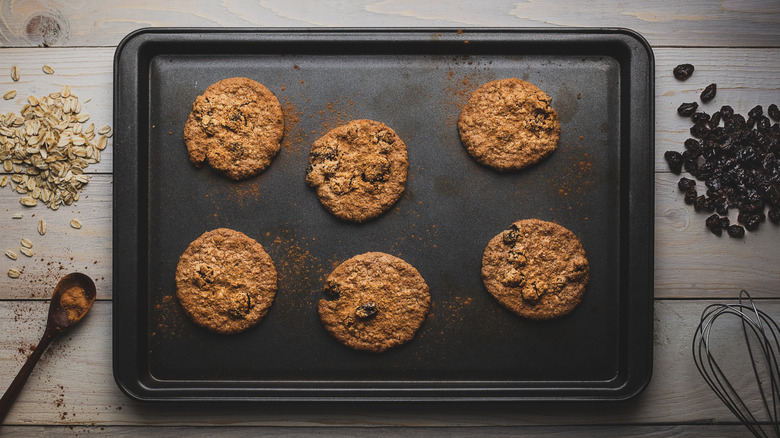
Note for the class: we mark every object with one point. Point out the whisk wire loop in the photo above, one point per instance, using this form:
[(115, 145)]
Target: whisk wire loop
[(762, 340)]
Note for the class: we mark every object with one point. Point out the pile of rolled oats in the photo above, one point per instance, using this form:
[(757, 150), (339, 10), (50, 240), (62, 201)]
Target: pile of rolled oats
[(43, 153), (47, 147)]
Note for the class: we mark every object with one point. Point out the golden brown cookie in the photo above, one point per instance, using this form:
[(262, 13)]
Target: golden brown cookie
[(358, 170), (536, 269), (374, 301), (509, 124), (225, 281), (236, 126)]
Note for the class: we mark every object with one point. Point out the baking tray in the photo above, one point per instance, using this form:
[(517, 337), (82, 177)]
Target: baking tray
[(599, 184)]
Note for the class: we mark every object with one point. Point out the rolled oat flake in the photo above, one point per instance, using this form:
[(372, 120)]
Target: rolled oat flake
[(28, 201)]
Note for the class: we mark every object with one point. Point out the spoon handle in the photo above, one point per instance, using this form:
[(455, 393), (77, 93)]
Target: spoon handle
[(16, 386)]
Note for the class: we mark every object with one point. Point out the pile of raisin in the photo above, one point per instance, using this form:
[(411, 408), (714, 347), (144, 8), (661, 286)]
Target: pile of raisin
[(737, 159)]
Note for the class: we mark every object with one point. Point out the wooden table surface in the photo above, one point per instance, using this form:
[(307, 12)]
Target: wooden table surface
[(733, 43)]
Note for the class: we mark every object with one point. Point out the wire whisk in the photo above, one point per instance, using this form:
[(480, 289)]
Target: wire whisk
[(761, 334)]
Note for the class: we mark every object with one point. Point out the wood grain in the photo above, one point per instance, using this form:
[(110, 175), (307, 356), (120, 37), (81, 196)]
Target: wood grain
[(733, 43), (700, 23), (87, 70), (690, 262), (618, 431), (745, 78), (73, 384), (63, 249)]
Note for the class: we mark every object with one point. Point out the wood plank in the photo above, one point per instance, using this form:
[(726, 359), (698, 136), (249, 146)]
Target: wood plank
[(692, 262), (745, 78), (679, 431), (89, 72), (692, 23), (63, 249), (73, 385)]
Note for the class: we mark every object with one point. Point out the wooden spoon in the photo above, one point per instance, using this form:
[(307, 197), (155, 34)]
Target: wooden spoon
[(73, 297)]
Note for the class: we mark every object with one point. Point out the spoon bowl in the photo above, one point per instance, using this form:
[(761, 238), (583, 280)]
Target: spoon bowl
[(73, 297)]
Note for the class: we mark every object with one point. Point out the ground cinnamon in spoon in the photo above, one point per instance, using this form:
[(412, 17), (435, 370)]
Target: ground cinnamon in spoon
[(74, 301)]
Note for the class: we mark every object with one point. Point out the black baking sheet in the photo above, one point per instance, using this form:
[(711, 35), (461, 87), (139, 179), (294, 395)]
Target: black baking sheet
[(598, 184)]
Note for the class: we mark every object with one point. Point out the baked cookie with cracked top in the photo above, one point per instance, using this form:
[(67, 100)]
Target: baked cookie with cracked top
[(235, 126), (374, 301), (509, 124), (536, 269), (358, 169), (225, 281)]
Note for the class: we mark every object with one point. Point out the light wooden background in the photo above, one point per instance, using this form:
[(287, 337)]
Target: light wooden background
[(733, 43)]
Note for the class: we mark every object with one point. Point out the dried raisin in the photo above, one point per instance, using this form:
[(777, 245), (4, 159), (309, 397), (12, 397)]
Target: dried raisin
[(690, 196), (753, 220), (686, 183), (686, 109), (763, 124), (722, 206), (714, 120), (683, 71), (332, 290), (700, 130), (774, 112), (367, 310), (735, 231), (692, 145), (756, 112), (700, 117), (511, 235), (709, 93), (675, 161), (700, 203)]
